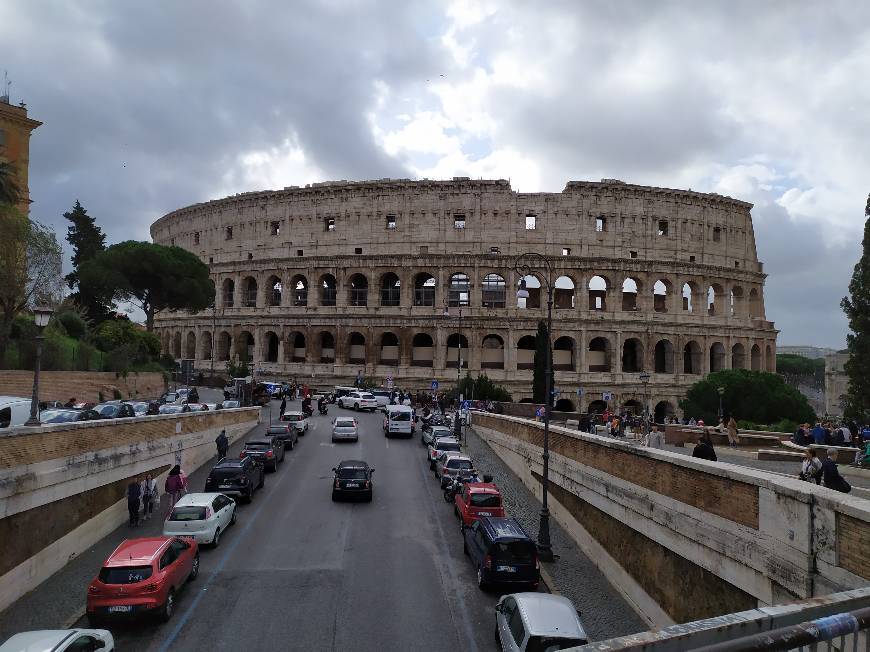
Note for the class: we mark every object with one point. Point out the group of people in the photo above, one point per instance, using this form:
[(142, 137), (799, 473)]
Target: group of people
[(828, 433), (143, 494), (827, 473)]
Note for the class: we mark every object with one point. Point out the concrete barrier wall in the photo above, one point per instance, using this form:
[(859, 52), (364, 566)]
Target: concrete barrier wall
[(65, 485), (83, 385), (683, 538)]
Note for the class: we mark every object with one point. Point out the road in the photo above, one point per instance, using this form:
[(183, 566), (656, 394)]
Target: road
[(299, 572)]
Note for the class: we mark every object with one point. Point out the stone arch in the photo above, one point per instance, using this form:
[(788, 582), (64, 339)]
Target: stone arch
[(190, 346), (717, 356), (205, 345), (424, 289), (249, 292), (755, 311), (326, 340), (228, 293), (738, 356), (633, 406), (391, 290), (563, 293), (564, 405), (492, 352), (597, 407), (275, 290), (358, 290), (270, 346), (631, 289), (663, 410), (389, 353), (738, 303), (299, 288), (295, 347), (493, 291), (245, 346), (597, 287), (632, 355), (692, 358), (455, 341), (769, 360), (328, 287), (598, 355), (664, 357), (224, 346), (563, 354), (422, 350), (662, 291), (691, 294), (459, 290), (526, 352), (176, 346), (356, 348), (533, 287), (755, 357), (715, 299)]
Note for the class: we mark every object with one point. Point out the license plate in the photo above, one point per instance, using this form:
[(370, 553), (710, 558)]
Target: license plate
[(122, 608), (484, 513), (352, 485), (506, 569), (225, 486)]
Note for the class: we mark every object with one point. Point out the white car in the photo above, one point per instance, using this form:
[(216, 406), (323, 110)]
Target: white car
[(359, 401), (57, 640), (297, 420), (537, 621), (203, 517), (344, 429)]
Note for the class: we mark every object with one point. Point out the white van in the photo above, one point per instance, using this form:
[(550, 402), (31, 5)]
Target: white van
[(14, 411), (399, 420)]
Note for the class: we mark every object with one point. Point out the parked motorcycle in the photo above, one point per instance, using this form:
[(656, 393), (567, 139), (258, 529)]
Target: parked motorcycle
[(455, 485), (323, 409)]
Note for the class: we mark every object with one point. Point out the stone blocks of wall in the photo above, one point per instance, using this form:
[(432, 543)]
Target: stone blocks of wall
[(83, 385)]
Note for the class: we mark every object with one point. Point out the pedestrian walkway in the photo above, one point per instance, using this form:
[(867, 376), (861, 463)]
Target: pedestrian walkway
[(605, 613)]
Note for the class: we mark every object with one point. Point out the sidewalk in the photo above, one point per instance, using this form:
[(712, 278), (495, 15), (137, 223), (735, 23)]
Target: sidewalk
[(605, 613)]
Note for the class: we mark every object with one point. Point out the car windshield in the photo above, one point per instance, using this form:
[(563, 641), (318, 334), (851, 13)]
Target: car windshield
[(552, 643), (293, 417), (344, 423), (257, 446), (400, 416), (485, 500), (455, 463), (441, 432), (367, 396), (57, 416), (192, 513), (230, 404), (124, 574), (447, 446), (515, 551), (352, 473), (107, 410)]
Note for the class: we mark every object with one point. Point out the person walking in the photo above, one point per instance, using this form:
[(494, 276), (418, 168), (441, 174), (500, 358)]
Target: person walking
[(811, 467), (831, 475), (704, 448), (732, 432), (149, 496), (654, 438), (282, 408), (174, 486), (134, 493), (222, 444)]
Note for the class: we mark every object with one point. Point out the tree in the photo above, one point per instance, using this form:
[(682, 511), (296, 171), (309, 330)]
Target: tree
[(757, 396), (30, 268), (87, 240), (482, 389), (10, 192), (152, 276), (790, 364), (539, 374), (857, 309)]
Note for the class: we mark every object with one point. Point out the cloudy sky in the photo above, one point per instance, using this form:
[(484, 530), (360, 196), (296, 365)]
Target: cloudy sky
[(149, 106)]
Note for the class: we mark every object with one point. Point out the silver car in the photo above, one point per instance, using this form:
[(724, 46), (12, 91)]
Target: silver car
[(344, 429), (537, 621), (450, 464), (434, 433), (439, 446)]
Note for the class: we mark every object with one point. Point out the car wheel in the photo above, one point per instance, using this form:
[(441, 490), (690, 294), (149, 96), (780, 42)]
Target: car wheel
[(215, 542), (233, 517), (291, 444), (262, 480), (455, 511), (194, 569), (168, 606), (465, 548), (369, 497), (249, 496), (334, 497), (356, 406), (481, 582)]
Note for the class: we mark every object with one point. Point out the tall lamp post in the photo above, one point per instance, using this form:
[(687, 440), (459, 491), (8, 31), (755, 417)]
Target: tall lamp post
[(41, 316), (524, 265), (644, 378), (721, 391), (457, 425)]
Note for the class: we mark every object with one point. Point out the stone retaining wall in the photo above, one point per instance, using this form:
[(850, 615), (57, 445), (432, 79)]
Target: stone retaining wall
[(83, 385)]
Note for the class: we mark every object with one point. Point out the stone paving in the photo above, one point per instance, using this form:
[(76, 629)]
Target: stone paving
[(605, 613)]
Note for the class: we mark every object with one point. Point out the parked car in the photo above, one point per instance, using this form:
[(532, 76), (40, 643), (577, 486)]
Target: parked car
[(169, 397), (240, 477), (201, 516), (59, 640), (382, 396), (440, 446), (399, 420), (358, 401), (297, 420), (451, 464), (502, 552), (268, 449), (344, 429), (67, 416), (228, 405), (478, 499), (285, 432), (140, 408), (197, 407), (173, 408), (115, 410), (142, 577), (531, 622), (352, 479), (434, 433)]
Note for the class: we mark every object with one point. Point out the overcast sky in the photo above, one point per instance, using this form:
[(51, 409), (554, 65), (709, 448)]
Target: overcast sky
[(150, 106)]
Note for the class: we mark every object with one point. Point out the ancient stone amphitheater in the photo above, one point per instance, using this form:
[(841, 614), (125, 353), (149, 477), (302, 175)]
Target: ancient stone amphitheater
[(391, 278)]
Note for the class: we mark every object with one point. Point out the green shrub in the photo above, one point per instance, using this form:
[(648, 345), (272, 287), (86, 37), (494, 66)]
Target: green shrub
[(73, 324)]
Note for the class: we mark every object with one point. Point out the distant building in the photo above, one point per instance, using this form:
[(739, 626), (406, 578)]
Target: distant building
[(811, 352), (836, 383), (15, 129)]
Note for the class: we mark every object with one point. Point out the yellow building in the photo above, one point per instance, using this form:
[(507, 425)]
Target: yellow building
[(15, 128)]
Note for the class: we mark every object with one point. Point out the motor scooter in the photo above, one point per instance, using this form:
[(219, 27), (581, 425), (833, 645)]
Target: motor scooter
[(322, 408)]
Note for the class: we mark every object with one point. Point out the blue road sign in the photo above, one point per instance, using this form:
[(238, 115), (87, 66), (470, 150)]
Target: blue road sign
[(434, 384)]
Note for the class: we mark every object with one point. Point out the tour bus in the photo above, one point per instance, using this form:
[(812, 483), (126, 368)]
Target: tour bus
[(399, 420), (14, 411)]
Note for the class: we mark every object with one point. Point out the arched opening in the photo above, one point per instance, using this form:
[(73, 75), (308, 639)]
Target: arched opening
[(458, 293), (692, 358), (533, 287), (715, 299), (190, 346), (300, 290), (328, 287), (563, 354), (225, 345), (563, 294), (295, 347), (176, 346), (527, 400), (717, 357), (358, 292), (663, 412), (598, 354), (754, 304), (454, 342), (424, 289), (492, 352), (327, 347), (770, 362), (661, 294), (597, 407), (564, 405), (493, 291), (597, 293), (738, 306), (690, 295), (755, 357), (245, 347), (391, 290), (526, 352), (205, 346), (664, 357), (630, 289), (275, 290), (633, 406), (356, 348), (422, 350), (632, 355), (228, 292), (389, 349), (270, 346), (249, 289), (738, 356)]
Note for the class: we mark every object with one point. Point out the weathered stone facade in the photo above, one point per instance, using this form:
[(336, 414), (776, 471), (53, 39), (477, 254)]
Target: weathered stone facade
[(836, 383), (327, 281)]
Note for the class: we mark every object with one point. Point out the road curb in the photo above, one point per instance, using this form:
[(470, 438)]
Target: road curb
[(547, 579), (80, 612)]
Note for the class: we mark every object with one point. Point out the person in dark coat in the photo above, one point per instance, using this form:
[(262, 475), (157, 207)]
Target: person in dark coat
[(134, 494), (831, 475), (704, 448), (222, 444), (283, 407)]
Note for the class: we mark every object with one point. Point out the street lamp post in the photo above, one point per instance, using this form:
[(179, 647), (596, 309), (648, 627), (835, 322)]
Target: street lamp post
[(644, 378), (457, 425), (41, 316), (524, 268), (721, 391)]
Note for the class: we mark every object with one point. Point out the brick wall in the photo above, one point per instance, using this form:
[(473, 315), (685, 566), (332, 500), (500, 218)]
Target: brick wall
[(853, 545), (83, 385)]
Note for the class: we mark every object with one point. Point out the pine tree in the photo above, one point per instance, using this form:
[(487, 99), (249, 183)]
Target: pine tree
[(87, 240), (539, 377), (857, 309)]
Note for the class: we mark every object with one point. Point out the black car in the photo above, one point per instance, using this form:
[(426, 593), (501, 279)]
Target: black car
[(115, 410), (66, 416), (268, 450), (352, 479), (236, 477), (502, 552), (288, 435)]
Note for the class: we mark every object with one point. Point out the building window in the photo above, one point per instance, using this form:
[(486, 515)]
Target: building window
[(2, 138), (632, 254), (530, 222), (717, 234), (391, 221), (691, 259), (210, 260), (494, 251), (600, 224), (459, 221), (736, 263), (172, 242), (330, 224), (424, 249), (357, 250), (566, 251), (250, 256), (663, 227), (229, 233), (196, 237), (275, 228), (298, 252)]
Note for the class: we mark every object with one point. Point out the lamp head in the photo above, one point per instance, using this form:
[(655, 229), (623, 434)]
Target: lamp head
[(42, 315)]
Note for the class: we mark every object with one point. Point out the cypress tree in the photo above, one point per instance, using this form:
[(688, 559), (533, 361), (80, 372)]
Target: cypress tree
[(857, 309), (87, 240), (539, 377)]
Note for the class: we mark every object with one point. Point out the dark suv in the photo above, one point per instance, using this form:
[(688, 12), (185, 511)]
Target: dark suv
[(267, 449), (502, 552), (236, 477), (285, 432)]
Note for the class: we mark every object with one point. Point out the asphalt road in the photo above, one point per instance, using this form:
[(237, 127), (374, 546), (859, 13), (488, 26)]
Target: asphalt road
[(299, 572)]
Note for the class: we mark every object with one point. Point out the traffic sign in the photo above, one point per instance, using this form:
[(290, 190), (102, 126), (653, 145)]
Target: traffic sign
[(434, 384), (607, 396), (389, 382), (579, 391)]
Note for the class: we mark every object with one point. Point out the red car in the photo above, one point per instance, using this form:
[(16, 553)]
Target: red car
[(477, 499), (142, 577)]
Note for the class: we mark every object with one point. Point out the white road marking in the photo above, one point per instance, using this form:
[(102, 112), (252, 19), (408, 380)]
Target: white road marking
[(323, 443)]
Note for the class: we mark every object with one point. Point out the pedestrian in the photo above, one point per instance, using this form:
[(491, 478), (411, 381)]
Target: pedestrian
[(134, 493), (149, 496), (732, 432), (692, 421), (222, 444), (831, 475), (283, 407), (654, 438), (811, 467), (704, 448), (174, 486)]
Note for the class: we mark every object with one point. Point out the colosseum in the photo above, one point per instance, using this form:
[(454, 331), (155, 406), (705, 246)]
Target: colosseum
[(411, 279)]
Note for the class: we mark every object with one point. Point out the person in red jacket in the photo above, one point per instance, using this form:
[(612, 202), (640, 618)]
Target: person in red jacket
[(176, 484)]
